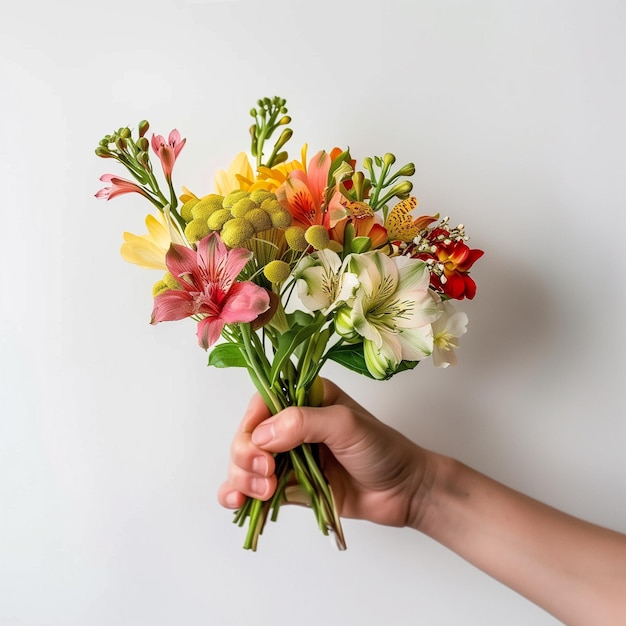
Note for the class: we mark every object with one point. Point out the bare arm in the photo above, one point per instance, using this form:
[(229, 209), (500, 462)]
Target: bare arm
[(573, 569)]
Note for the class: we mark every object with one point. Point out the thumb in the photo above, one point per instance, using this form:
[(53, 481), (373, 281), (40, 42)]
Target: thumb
[(336, 426)]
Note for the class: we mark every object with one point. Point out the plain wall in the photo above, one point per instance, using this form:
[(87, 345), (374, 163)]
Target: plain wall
[(114, 435)]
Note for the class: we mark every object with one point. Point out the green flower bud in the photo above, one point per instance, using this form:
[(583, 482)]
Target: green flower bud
[(402, 190), (143, 144), (259, 219), (296, 239), (218, 218), (380, 366), (344, 325), (241, 207), (406, 170), (125, 133), (253, 112), (232, 197), (277, 271), (389, 159), (143, 127), (185, 210), (103, 152), (317, 236), (367, 163), (236, 232), (120, 144), (196, 230), (285, 136), (206, 206), (281, 157)]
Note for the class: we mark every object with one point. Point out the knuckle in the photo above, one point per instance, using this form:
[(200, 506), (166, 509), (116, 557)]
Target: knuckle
[(293, 421)]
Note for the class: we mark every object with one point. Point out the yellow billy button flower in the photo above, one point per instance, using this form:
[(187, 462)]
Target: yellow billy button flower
[(218, 219), (167, 282), (170, 281), (242, 206), (277, 271), (233, 197), (196, 230), (206, 206), (159, 287), (261, 194), (296, 239), (317, 236), (185, 209), (236, 232), (259, 219)]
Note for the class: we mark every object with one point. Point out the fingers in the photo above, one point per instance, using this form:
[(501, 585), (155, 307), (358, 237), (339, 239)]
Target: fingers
[(338, 426), (256, 412), (251, 469)]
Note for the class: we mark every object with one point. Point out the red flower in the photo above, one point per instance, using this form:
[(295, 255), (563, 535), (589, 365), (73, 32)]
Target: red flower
[(456, 259)]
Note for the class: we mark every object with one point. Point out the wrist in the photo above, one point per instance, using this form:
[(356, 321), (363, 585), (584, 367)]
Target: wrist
[(439, 476)]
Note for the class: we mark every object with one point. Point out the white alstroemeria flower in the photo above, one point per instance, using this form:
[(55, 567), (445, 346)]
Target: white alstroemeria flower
[(447, 329), (323, 281), (392, 310)]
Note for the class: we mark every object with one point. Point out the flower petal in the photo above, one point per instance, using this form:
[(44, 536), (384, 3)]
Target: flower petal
[(417, 343), (182, 264), (172, 305), (140, 251), (245, 302), (209, 331)]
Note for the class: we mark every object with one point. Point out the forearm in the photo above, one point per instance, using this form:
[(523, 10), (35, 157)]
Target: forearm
[(573, 569)]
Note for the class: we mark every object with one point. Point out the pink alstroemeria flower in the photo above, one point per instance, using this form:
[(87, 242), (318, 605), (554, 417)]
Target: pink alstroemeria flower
[(168, 151), (209, 289), (118, 187)]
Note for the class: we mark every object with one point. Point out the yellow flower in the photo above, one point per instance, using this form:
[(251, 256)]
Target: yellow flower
[(240, 175), (149, 250)]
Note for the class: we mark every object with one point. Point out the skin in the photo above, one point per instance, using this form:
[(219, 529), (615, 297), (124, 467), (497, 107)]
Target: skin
[(573, 569)]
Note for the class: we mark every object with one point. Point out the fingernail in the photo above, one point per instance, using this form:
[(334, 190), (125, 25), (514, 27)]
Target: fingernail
[(259, 465), (264, 433), (258, 485), (232, 499)]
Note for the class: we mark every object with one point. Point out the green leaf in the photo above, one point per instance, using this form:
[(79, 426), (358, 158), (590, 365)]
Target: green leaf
[(288, 342), (351, 357), (300, 318), (404, 366), (227, 355), (361, 244)]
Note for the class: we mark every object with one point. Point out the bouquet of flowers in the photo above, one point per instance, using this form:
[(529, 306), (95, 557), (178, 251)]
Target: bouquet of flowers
[(289, 263)]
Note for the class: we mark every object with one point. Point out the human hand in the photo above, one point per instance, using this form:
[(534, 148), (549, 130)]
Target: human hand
[(375, 472)]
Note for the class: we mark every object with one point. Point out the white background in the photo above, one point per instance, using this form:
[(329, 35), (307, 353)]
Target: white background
[(114, 435)]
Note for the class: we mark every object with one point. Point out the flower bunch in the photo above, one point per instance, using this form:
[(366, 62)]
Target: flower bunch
[(288, 263)]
